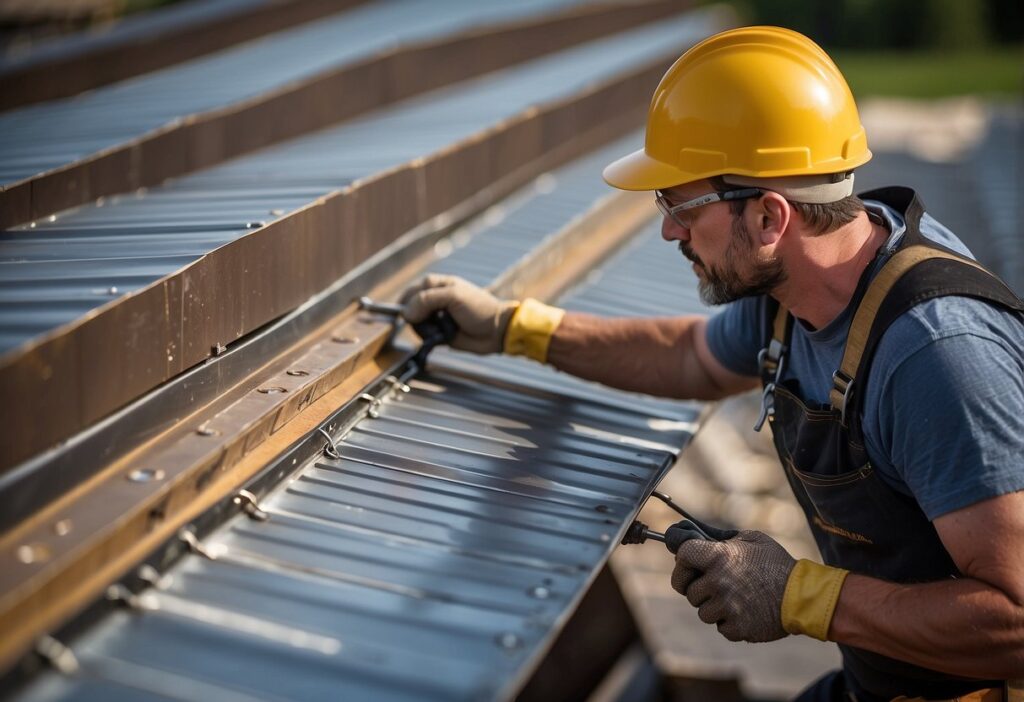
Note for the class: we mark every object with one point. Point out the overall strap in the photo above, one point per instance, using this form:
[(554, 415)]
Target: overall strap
[(914, 274)]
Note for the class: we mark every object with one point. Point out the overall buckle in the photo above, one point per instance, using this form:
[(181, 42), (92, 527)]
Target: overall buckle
[(842, 385), (772, 361)]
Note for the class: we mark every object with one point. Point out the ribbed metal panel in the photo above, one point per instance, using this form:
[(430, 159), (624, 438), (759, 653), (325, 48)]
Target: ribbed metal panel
[(440, 553), (432, 561), (82, 259), (37, 138), (139, 27)]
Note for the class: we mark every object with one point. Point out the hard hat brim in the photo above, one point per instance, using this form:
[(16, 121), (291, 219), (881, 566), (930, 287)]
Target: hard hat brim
[(638, 171)]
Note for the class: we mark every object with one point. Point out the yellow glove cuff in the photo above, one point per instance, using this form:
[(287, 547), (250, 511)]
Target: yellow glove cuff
[(530, 329), (812, 592)]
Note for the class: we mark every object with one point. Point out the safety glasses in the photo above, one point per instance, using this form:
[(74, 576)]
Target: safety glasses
[(677, 213)]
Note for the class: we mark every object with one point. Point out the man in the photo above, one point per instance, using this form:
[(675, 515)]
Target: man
[(892, 368)]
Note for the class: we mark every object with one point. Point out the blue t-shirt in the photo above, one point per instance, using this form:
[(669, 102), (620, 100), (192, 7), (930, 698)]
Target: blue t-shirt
[(944, 409)]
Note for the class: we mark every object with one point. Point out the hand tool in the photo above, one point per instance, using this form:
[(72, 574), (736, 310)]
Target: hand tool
[(438, 328), (680, 532)]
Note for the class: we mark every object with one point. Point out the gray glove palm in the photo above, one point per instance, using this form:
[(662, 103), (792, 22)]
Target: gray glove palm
[(482, 318), (737, 584)]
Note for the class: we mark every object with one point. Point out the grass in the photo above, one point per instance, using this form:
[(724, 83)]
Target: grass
[(919, 74)]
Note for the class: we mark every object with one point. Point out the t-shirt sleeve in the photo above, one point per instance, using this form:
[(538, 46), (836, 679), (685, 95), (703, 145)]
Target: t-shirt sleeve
[(950, 420), (734, 335)]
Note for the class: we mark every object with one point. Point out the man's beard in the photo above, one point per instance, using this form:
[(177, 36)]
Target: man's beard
[(719, 285)]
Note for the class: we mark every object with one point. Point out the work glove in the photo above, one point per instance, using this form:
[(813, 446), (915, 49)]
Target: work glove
[(737, 583), (486, 324), (481, 317)]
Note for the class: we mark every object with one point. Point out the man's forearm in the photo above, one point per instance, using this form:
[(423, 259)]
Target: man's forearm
[(963, 627), (653, 356)]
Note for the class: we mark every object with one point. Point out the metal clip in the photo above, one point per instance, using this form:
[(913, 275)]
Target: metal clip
[(331, 449), (251, 506), (767, 406), (374, 409), (189, 539), (397, 384), (119, 593), (843, 385), (59, 656)]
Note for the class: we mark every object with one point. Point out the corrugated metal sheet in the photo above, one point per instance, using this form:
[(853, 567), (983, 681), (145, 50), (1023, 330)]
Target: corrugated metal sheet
[(61, 269), (441, 552), (38, 138), (135, 28), (432, 561)]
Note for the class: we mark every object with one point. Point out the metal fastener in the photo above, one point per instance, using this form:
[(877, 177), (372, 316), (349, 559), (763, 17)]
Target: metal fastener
[(374, 410), (59, 656), (509, 641), (33, 553), (331, 449), (146, 475), (189, 539), (251, 506)]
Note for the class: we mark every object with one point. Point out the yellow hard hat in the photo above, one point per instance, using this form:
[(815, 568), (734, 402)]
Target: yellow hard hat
[(761, 102)]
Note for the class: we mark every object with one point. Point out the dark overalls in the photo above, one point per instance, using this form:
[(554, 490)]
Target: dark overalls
[(858, 521)]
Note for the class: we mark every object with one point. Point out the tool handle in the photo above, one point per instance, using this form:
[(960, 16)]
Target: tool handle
[(690, 528), (438, 328)]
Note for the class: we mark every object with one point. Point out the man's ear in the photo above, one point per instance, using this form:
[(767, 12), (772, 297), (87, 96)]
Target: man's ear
[(773, 218)]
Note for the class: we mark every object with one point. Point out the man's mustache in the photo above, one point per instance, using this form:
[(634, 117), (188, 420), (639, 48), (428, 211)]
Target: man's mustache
[(688, 252)]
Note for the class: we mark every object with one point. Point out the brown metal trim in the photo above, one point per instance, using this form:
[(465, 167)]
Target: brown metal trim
[(82, 550), (74, 73), (201, 140), (88, 369)]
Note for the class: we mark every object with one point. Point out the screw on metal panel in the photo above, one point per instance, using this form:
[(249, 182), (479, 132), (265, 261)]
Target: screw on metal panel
[(373, 410), (250, 506), (397, 384), (509, 641), (218, 348), (146, 475), (297, 373), (33, 553), (605, 537), (540, 592), (60, 657), (254, 225), (277, 212), (207, 431), (331, 449), (603, 508), (341, 339), (188, 538), (112, 290), (119, 593), (273, 390), (62, 527), (151, 576)]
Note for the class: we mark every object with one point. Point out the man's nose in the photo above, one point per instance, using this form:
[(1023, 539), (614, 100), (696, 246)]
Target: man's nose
[(671, 231)]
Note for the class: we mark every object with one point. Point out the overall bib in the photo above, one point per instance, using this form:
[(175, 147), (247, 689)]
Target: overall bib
[(858, 521)]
